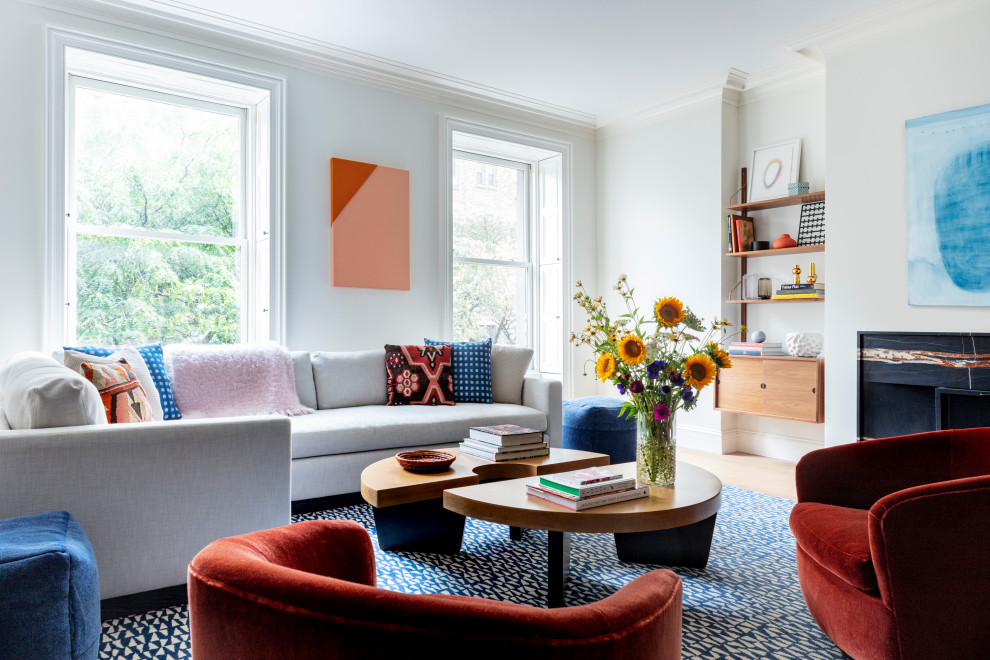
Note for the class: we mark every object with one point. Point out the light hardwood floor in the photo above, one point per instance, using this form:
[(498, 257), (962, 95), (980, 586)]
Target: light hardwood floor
[(756, 473)]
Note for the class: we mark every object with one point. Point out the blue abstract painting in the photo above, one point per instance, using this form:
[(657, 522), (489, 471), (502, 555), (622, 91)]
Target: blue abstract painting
[(948, 208)]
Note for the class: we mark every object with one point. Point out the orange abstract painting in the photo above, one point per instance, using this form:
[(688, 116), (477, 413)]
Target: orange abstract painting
[(369, 225)]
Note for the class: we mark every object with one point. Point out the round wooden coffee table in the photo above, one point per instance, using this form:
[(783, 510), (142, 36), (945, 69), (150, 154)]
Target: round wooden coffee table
[(672, 527)]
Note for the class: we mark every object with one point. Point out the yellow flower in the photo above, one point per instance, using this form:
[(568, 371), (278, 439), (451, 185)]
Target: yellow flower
[(718, 355), (605, 366), (699, 370), (631, 350), (669, 311)]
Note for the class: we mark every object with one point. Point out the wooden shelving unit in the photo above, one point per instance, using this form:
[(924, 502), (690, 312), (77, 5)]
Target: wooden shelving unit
[(767, 253), (778, 202), (758, 301)]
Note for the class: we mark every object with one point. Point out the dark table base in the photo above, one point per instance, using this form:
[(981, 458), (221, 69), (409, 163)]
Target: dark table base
[(419, 527)]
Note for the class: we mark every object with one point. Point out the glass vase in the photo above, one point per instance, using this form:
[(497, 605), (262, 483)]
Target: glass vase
[(656, 450)]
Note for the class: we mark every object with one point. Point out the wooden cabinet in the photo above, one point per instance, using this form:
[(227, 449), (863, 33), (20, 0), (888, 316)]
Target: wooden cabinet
[(785, 387)]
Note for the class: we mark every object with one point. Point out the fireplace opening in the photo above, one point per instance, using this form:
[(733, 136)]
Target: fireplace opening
[(961, 409)]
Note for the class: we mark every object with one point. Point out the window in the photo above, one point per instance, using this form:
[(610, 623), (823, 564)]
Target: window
[(506, 247), (166, 228)]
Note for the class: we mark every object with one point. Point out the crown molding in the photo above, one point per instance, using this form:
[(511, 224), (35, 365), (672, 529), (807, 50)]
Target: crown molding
[(781, 79), (187, 23), (725, 88), (863, 26)]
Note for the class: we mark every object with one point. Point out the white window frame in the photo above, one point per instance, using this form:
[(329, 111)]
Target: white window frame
[(160, 72), (450, 125)]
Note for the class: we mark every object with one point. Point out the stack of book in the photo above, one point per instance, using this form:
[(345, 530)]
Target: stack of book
[(761, 348), (505, 442), (587, 488), (800, 291)]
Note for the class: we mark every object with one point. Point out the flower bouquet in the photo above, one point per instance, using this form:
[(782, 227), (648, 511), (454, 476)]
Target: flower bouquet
[(659, 363)]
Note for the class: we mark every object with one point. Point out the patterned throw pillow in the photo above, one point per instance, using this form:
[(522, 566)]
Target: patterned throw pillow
[(472, 364), (419, 375), (123, 397), (154, 357)]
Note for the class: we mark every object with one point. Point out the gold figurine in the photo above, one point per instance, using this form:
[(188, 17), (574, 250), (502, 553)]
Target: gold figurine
[(812, 278), (797, 273)]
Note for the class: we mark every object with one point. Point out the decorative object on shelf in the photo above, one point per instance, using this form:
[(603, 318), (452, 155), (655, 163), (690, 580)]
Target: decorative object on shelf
[(424, 460), (799, 188), (761, 245), (811, 228), (759, 336), (750, 287), (369, 225), (659, 363), (812, 278), (797, 273), (804, 344), (784, 241), (764, 288), (947, 208), (773, 168)]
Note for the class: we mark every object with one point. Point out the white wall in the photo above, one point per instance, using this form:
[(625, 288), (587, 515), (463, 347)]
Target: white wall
[(327, 117), (659, 201), (871, 92)]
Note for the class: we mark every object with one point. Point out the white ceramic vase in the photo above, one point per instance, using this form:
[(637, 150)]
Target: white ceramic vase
[(804, 344)]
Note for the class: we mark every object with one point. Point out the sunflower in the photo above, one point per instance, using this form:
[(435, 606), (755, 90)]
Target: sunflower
[(699, 370), (631, 350), (669, 311), (605, 366), (718, 355)]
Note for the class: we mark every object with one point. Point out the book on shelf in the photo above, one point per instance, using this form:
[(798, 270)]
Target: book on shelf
[(511, 456), (501, 449), (803, 287), (730, 234), (579, 504), (588, 490), (787, 295), (759, 352), (582, 477), (505, 434), (755, 344), (744, 232)]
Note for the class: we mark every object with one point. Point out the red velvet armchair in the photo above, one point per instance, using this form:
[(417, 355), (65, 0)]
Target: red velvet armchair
[(308, 591), (893, 544)]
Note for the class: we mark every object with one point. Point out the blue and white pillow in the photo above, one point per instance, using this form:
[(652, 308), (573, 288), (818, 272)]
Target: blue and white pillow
[(154, 357), (471, 362)]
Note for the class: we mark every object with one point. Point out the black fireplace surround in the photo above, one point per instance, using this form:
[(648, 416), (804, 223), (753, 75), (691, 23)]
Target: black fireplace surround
[(911, 382)]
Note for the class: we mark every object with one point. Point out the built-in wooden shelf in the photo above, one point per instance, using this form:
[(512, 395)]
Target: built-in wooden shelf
[(770, 300), (767, 253), (774, 357), (778, 202)]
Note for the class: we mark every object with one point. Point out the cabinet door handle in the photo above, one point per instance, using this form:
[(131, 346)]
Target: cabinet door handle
[(763, 386), (813, 390)]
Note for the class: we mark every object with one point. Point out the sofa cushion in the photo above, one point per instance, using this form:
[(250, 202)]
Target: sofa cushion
[(509, 367), (368, 428), (419, 375), (39, 393), (74, 359), (124, 399), (836, 537), (356, 378), (302, 369), (472, 366), (154, 357)]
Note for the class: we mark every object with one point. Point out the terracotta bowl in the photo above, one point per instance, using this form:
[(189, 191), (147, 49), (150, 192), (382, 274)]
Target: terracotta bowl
[(425, 460)]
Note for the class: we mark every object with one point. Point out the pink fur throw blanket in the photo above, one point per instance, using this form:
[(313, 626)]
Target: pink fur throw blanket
[(233, 381)]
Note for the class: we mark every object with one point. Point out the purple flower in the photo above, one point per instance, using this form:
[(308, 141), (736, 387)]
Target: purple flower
[(665, 389), (661, 412), (654, 368), (622, 386), (687, 394), (676, 379), (636, 386)]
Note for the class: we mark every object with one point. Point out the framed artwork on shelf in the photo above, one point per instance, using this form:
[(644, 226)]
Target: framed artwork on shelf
[(773, 167)]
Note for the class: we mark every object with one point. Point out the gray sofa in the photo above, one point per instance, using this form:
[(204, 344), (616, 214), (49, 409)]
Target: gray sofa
[(151, 495)]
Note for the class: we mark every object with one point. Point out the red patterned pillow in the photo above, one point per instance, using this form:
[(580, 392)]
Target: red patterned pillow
[(123, 397), (419, 375)]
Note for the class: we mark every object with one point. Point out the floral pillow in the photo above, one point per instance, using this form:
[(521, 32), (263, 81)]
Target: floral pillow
[(419, 375), (123, 397)]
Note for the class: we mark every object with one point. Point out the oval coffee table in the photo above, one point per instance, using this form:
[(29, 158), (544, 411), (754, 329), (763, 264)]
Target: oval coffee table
[(672, 527)]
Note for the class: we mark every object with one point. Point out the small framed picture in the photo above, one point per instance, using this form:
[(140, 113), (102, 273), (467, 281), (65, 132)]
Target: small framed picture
[(773, 168)]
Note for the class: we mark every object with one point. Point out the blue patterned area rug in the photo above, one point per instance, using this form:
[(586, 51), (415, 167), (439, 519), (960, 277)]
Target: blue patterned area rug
[(745, 604)]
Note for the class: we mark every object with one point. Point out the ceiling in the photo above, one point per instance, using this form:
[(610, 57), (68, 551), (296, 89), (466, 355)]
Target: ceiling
[(592, 56)]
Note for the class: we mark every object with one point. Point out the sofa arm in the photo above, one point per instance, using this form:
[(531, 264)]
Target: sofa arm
[(928, 547), (151, 495), (545, 394), (858, 474)]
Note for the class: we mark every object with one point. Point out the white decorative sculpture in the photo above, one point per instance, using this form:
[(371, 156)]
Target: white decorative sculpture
[(804, 344)]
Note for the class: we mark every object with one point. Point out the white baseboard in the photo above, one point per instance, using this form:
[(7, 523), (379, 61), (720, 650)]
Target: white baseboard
[(783, 447), (702, 439)]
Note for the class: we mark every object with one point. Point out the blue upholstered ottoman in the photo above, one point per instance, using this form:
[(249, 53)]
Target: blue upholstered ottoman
[(49, 589), (592, 423)]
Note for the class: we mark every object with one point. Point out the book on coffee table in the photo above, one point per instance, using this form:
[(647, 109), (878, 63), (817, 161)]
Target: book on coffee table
[(588, 490), (590, 502), (505, 456), (505, 434), (500, 449), (583, 477)]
